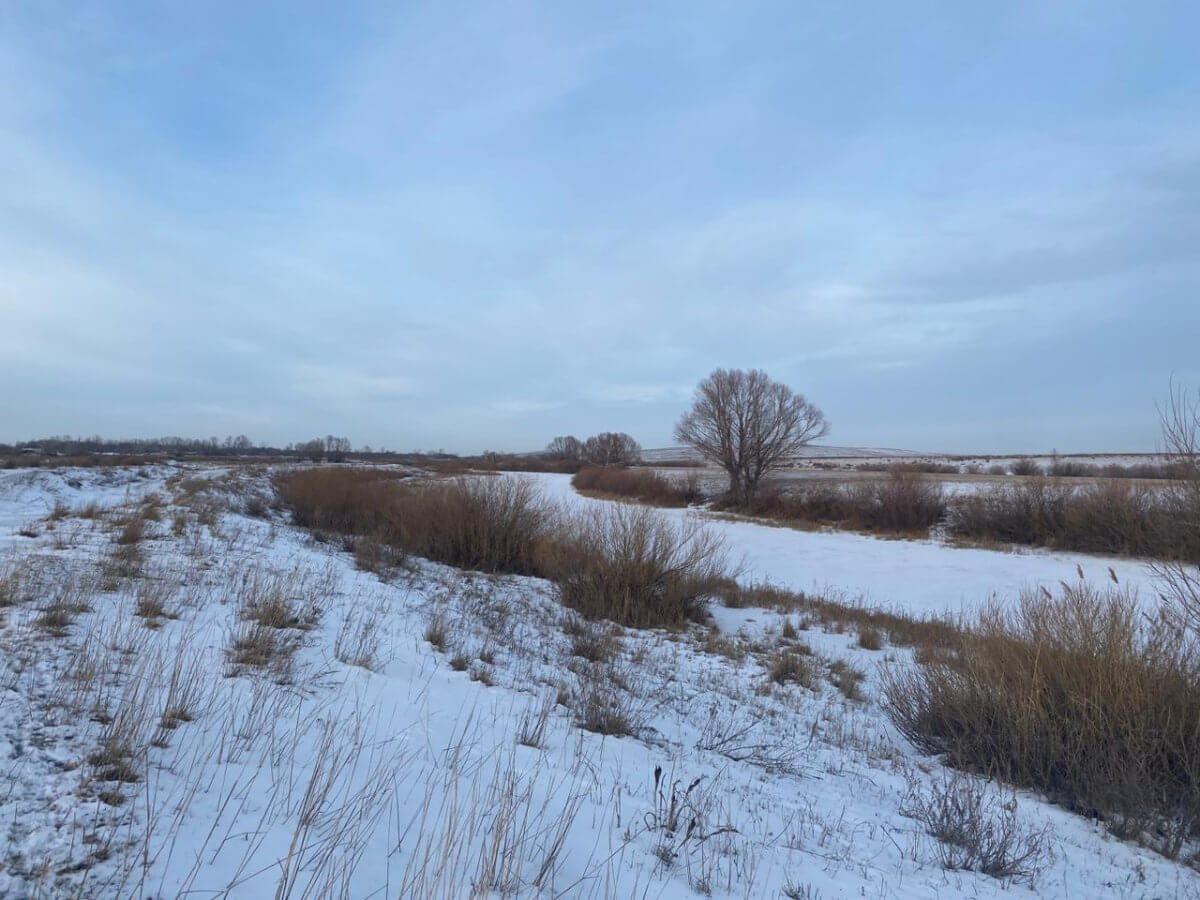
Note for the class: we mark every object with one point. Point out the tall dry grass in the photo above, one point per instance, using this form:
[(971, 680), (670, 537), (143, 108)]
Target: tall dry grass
[(625, 563), (1077, 695), (903, 503), (638, 484), (484, 524), (1113, 517), (633, 566)]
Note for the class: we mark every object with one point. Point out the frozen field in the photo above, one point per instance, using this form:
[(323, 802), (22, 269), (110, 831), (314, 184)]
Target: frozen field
[(145, 757)]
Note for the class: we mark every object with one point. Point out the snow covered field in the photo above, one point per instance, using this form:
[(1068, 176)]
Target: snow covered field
[(147, 756)]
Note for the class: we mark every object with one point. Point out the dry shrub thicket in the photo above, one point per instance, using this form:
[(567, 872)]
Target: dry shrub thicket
[(1113, 517), (639, 484), (901, 503), (483, 524), (627, 564), (1077, 695)]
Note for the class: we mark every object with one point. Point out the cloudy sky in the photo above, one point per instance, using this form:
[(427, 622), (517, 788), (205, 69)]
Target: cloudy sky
[(954, 226)]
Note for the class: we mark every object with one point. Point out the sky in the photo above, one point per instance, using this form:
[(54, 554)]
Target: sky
[(955, 227)]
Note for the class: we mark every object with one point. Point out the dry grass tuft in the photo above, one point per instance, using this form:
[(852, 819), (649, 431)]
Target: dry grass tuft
[(870, 638), (976, 832), (133, 532), (632, 566), (792, 666)]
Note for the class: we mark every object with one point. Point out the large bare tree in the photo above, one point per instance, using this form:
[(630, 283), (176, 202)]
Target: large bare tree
[(567, 447), (748, 424)]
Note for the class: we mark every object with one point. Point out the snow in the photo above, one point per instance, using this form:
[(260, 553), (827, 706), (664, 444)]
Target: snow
[(407, 780), (921, 577)]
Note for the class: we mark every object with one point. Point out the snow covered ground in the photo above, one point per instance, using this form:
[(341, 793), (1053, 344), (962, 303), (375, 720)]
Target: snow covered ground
[(143, 759)]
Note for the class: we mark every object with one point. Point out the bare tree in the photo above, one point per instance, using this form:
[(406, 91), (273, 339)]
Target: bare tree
[(566, 447), (313, 450), (336, 448), (611, 448), (748, 425), (1180, 421)]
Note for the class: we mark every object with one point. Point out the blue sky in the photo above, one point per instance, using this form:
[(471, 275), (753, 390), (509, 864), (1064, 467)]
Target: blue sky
[(953, 226)]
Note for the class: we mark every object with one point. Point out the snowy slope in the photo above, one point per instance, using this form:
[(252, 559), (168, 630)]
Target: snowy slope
[(407, 778)]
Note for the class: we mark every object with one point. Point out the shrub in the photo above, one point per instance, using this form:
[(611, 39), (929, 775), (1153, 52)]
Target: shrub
[(1026, 466), (633, 566), (870, 638), (977, 832), (1075, 695)]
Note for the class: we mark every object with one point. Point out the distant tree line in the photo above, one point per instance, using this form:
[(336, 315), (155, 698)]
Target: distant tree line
[(609, 448), (334, 449)]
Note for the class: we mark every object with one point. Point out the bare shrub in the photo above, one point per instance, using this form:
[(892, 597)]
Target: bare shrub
[(635, 567), (1075, 695), (976, 831), (1026, 467)]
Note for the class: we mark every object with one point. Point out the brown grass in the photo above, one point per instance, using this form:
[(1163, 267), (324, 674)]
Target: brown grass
[(903, 504), (791, 666), (635, 567), (1111, 517), (904, 630), (484, 524), (1075, 695), (133, 532), (638, 484)]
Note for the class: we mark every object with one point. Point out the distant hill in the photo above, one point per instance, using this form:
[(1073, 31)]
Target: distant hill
[(813, 451)]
